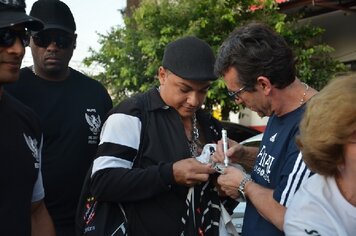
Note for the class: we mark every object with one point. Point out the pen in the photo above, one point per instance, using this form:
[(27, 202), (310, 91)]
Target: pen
[(224, 139)]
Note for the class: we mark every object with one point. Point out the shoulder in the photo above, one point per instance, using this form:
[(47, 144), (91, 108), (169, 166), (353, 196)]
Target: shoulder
[(132, 106), (84, 79), (311, 202), (311, 195), (17, 110)]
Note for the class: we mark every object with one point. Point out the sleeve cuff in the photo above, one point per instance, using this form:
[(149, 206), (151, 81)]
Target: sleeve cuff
[(166, 172)]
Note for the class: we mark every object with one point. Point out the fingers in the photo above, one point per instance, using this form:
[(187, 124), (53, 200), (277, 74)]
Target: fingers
[(233, 151), (190, 171), (218, 155), (230, 180)]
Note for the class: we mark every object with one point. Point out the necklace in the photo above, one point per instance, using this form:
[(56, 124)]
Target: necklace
[(193, 144), (302, 100)]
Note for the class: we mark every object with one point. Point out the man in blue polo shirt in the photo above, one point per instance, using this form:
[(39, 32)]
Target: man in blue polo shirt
[(259, 71)]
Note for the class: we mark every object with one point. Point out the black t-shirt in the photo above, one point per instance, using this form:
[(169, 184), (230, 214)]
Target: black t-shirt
[(20, 140), (71, 112)]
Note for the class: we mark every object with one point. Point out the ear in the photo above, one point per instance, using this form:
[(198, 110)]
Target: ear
[(264, 84), (162, 75), (75, 41)]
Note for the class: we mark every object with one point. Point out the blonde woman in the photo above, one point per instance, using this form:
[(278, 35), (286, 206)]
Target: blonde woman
[(326, 203)]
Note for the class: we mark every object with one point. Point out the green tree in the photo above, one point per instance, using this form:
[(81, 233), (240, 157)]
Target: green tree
[(131, 55)]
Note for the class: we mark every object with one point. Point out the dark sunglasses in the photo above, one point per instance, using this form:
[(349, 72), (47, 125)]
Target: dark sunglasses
[(8, 37), (44, 38)]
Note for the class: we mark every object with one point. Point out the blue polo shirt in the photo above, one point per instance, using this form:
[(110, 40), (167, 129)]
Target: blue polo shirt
[(279, 166)]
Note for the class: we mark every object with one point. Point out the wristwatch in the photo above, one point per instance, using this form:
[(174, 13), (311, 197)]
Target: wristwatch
[(241, 188)]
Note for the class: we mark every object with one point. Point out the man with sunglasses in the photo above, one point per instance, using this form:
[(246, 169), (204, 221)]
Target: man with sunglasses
[(72, 108), (22, 208), (258, 68)]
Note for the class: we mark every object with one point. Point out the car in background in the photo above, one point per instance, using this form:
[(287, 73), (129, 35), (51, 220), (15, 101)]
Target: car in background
[(238, 132), (239, 211), (253, 141)]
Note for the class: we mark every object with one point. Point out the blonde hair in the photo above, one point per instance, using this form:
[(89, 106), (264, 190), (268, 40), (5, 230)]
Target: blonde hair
[(328, 122)]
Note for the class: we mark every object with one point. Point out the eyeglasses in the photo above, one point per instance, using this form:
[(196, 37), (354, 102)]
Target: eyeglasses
[(8, 37), (44, 38), (236, 95)]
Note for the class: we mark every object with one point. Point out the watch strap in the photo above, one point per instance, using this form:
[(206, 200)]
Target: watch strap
[(241, 188)]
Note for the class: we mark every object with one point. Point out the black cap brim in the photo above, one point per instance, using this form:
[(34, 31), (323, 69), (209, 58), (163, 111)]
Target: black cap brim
[(58, 27), (11, 18)]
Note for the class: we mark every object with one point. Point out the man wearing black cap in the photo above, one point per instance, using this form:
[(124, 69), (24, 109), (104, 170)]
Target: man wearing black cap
[(163, 188), (71, 107), (22, 208)]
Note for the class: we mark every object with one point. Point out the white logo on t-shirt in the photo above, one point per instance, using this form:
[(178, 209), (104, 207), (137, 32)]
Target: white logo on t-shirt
[(32, 144), (94, 123), (273, 138)]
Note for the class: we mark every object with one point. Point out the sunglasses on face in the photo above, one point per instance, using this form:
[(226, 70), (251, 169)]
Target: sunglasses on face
[(8, 37), (44, 38)]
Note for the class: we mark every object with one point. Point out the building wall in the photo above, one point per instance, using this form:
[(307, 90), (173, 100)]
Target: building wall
[(340, 33)]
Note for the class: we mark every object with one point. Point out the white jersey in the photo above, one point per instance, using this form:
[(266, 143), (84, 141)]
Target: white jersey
[(318, 208)]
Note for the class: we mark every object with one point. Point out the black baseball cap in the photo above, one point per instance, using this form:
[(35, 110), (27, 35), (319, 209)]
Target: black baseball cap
[(12, 12), (55, 14), (190, 58)]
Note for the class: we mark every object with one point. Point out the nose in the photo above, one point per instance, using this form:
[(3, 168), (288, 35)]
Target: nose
[(52, 46), (238, 101), (194, 99)]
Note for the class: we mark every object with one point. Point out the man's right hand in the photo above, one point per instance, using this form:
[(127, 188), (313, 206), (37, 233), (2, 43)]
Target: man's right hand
[(234, 151), (190, 172)]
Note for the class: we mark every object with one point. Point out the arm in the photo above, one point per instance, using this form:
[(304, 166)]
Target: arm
[(261, 197), (114, 176), (267, 206), (108, 184), (42, 224)]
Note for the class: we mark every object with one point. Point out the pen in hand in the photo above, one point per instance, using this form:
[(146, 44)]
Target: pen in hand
[(224, 140)]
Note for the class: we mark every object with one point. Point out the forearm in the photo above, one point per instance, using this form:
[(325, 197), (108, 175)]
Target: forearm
[(42, 224), (129, 185), (266, 205)]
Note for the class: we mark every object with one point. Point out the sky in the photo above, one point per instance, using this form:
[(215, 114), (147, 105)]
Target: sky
[(91, 17)]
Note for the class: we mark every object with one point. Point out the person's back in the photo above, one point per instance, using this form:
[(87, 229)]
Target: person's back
[(72, 108)]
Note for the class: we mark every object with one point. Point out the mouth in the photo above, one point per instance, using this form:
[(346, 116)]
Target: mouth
[(191, 109), (52, 59), (13, 65)]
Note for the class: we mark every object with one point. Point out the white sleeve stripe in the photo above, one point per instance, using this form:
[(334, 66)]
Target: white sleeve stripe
[(122, 129), (293, 180), (104, 162), (296, 183)]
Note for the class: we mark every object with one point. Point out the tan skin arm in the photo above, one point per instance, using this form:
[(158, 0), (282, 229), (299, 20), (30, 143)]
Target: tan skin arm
[(261, 197), (42, 224), (266, 205)]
